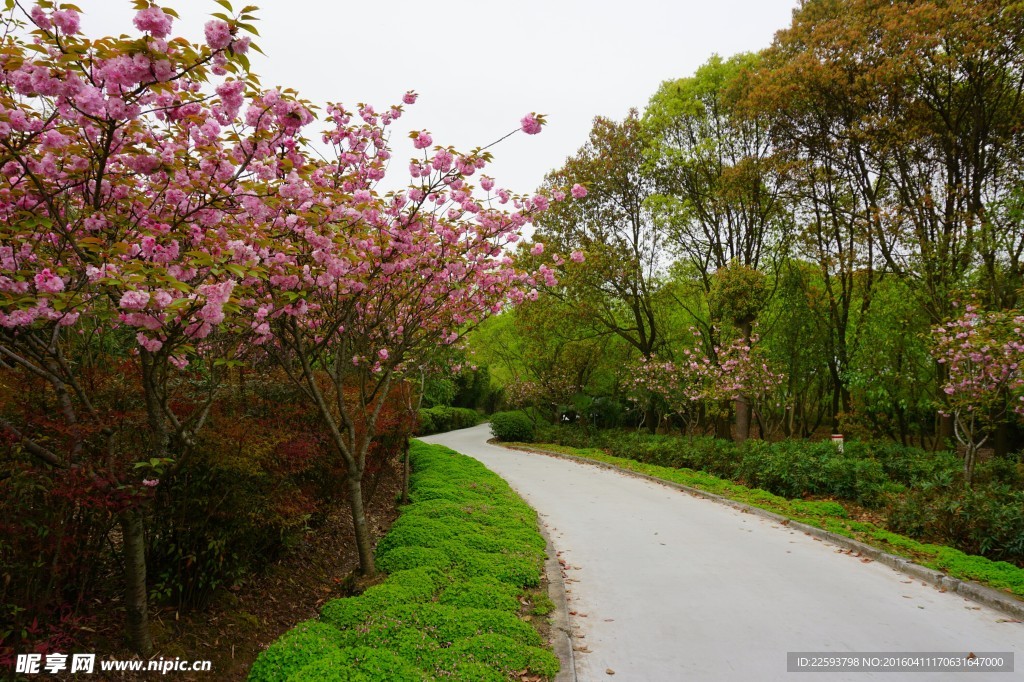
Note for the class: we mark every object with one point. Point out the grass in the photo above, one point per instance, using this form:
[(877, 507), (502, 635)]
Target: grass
[(461, 561), (828, 515)]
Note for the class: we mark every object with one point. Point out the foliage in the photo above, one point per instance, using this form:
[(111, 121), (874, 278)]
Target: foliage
[(987, 520), (983, 355), (512, 427), (357, 664), (166, 219), (448, 609), (611, 283), (443, 418), (840, 189)]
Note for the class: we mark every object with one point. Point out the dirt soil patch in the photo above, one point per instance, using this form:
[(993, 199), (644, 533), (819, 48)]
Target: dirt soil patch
[(243, 621)]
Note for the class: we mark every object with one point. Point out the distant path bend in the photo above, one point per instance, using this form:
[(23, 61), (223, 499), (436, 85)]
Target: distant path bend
[(667, 586)]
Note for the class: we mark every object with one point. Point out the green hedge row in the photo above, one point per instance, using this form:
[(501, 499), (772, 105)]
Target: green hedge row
[(865, 472), (443, 418), (458, 560), (918, 493)]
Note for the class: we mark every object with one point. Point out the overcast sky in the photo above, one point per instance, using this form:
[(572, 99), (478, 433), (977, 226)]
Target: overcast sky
[(479, 66)]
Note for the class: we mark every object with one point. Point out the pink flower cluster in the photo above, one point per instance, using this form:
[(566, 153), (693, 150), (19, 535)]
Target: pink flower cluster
[(154, 21), (530, 124)]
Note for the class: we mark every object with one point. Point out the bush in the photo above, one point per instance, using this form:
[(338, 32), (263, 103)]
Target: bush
[(443, 418), (501, 653), (304, 644), (482, 593), (512, 427), (986, 520), (358, 664)]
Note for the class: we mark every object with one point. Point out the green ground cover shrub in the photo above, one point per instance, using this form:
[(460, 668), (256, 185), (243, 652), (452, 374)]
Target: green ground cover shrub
[(458, 560), (512, 427)]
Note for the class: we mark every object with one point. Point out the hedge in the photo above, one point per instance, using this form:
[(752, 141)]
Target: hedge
[(512, 427), (443, 418), (458, 559)]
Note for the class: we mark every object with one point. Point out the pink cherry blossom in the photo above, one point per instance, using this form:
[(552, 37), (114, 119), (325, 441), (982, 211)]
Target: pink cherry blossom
[(422, 140), (134, 300), (218, 34), (67, 20), (578, 191), (530, 124), (577, 257), (150, 344), (154, 21), (40, 17), (47, 282)]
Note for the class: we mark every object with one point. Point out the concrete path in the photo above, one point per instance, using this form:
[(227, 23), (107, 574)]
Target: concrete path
[(667, 587)]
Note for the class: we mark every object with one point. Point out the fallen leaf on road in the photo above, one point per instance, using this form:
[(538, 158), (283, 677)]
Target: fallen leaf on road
[(609, 671)]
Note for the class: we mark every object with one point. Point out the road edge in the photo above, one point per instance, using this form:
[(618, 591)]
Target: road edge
[(967, 589), (561, 628)]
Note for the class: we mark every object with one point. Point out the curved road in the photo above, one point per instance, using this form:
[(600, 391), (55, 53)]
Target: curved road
[(665, 586)]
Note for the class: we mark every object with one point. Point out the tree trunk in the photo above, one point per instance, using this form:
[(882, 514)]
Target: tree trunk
[(651, 417), (364, 543), (722, 425), (136, 596), (970, 457), (1001, 440), (945, 433), (742, 407)]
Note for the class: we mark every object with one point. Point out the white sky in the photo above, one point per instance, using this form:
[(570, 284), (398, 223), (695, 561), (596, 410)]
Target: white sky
[(479, 66)]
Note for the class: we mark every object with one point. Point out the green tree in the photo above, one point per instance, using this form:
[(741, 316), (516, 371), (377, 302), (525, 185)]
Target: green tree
[(719, 193)]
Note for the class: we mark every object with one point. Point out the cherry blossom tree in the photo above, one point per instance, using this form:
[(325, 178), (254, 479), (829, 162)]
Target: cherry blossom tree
[(130, 174), (739, 370), (983, 353), (163, 213), (363, 287)]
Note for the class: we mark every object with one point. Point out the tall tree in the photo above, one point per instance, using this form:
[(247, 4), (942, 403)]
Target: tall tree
[(618, 278), (817, 105), (916, 106), (719, 193)]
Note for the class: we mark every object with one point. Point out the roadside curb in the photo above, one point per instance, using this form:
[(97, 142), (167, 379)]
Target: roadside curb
[(965, 588), (561, 630)]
